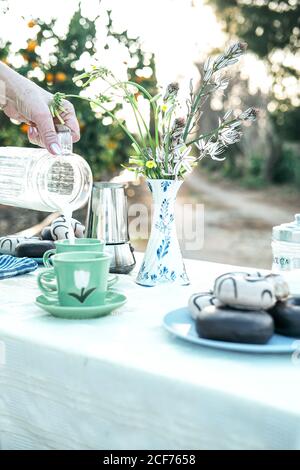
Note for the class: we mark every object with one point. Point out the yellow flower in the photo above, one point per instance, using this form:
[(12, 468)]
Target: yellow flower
[(31, 24), (151, 164), (164, 108), (60, 77)]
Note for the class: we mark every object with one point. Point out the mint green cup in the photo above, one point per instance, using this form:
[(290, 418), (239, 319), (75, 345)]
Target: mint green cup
[(78, 245), (81, 279)]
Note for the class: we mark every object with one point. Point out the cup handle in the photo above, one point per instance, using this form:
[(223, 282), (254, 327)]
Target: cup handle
[(44, 284), (47, 258), (112, 281)]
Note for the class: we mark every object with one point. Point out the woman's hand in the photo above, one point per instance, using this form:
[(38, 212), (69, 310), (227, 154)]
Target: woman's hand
[(27, 102)]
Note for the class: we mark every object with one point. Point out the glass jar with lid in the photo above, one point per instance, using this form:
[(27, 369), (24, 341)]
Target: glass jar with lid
[(33, 178), (286, 253)]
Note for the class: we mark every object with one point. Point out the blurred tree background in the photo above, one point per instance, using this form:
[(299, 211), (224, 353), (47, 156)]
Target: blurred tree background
[(181, 34), (268, 152), (105, 147), (272, 31)]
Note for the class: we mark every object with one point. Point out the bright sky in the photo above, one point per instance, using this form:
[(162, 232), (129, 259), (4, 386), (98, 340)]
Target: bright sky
[(177, 31)]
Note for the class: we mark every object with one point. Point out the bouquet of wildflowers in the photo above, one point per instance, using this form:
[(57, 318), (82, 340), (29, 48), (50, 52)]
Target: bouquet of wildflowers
[(172, 146)]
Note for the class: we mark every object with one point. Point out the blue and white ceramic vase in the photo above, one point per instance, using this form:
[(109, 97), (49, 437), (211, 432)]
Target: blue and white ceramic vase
[(163, 261)]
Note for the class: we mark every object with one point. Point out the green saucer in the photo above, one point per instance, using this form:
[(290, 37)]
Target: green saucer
[(113, 301)]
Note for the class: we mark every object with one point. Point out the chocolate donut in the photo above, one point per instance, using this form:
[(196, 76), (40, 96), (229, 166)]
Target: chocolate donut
[(286, 316), (227, 324), (33, 248)]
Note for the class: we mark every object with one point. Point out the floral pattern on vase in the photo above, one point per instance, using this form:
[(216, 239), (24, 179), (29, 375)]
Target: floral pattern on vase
[(163, 261)]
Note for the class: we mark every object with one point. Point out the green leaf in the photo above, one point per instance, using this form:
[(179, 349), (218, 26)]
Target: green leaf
[(76, 296), (87, 293), (83, 296), (135, 148), (155, 98), (136, 161)]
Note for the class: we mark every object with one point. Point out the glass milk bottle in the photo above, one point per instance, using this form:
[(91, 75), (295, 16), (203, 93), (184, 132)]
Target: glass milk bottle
[(286, 253), (35, 179)]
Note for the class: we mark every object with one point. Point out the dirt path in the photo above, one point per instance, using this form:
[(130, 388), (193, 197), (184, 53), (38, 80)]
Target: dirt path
[(237, 222), (251, 205)]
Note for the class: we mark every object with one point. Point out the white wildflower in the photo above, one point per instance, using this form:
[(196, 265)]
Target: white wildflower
[(220, 83), (207, 75), (214, 149), (227, 115), (230, 56), (249, 115), (229, 136)]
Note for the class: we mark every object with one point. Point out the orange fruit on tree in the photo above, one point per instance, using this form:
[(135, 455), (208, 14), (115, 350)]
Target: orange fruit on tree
[(139, 79), (60, 77), (111, 145), (31, 45), (31, 24), (24, 127), (49, 77)]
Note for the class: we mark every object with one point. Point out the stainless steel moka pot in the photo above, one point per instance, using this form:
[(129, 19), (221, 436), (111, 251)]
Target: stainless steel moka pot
[(107, 219)]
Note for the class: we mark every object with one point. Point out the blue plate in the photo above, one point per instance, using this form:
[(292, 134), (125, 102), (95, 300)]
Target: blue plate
[(180, 323)]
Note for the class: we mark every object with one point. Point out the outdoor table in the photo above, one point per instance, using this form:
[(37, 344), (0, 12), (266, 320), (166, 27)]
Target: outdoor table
[(123, 382)]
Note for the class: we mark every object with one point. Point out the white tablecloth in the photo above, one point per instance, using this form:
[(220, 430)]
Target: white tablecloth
[(123, 382)]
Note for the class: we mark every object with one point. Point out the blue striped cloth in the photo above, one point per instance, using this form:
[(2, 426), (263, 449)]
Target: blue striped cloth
[(11, 266)]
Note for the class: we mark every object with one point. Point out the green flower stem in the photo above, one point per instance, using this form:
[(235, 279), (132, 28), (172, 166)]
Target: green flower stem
[(162, 121), (193, 110), (194, 107), (197, 100), (152, 104), (167, 145), (156, 117), (90, 100), (136, 110), (213, 132), (56, 113), (123, 84)]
